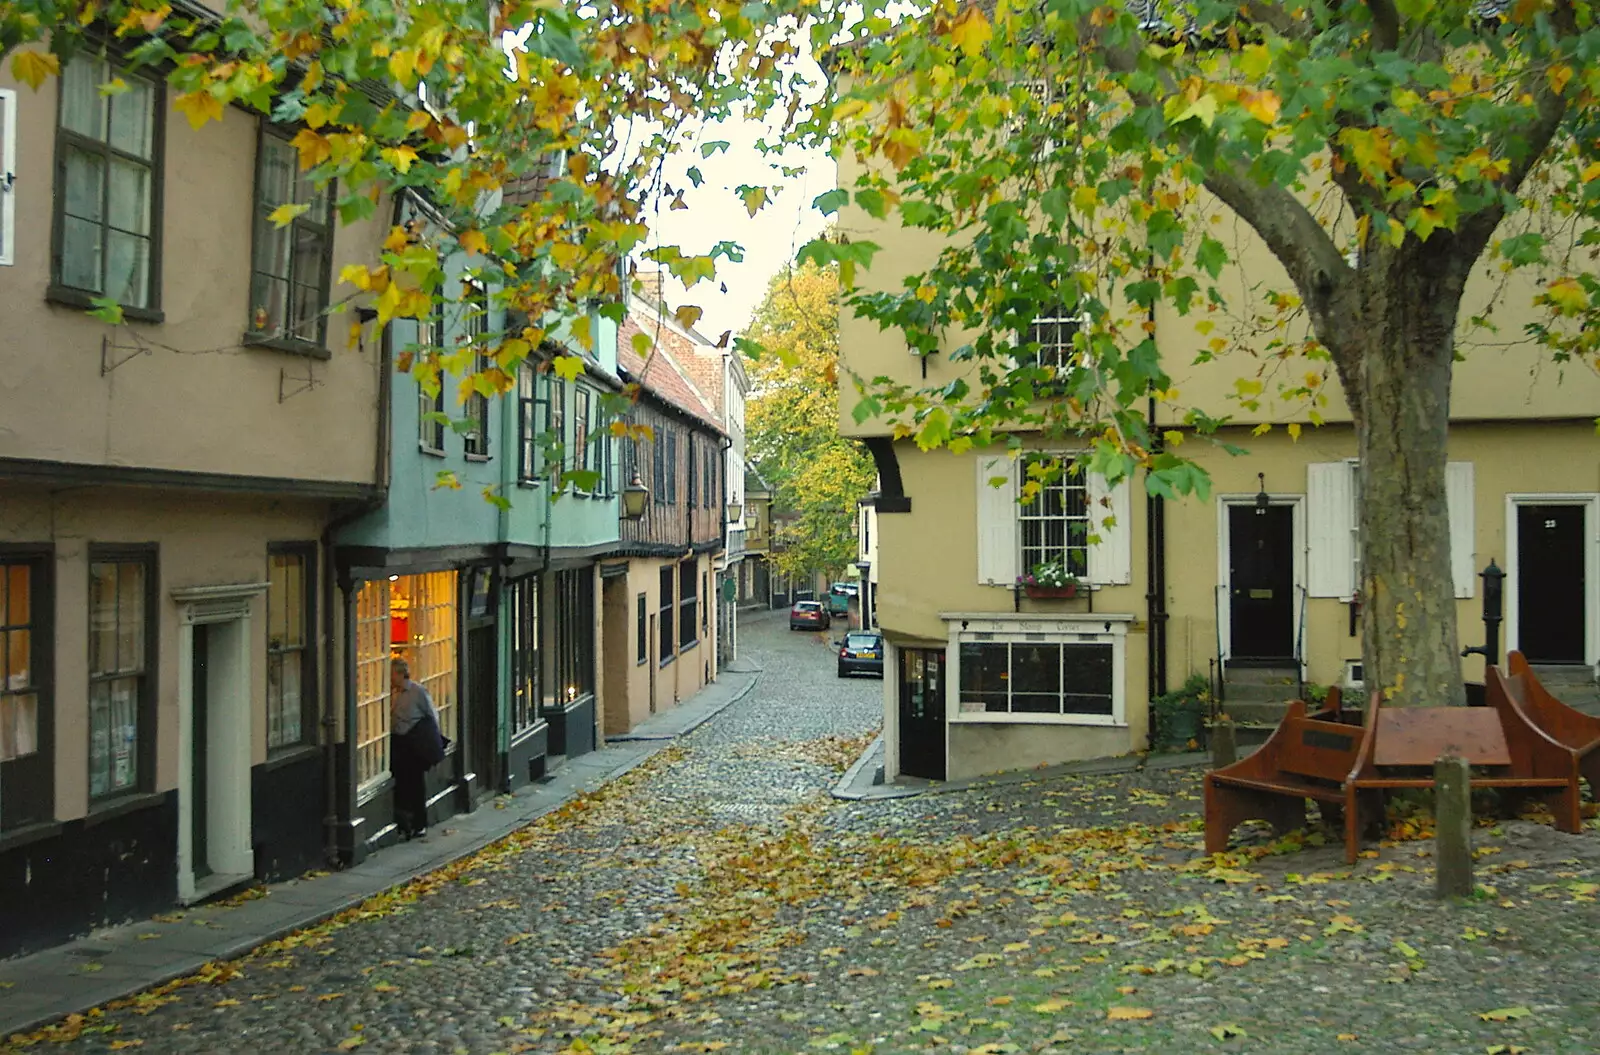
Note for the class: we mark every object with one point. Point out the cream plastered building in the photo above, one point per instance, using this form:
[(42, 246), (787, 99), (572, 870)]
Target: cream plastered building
[(167, 488), (1254, 589)]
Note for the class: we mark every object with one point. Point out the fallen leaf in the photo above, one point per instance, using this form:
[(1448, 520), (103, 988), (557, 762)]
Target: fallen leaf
[(1227, 1031), (1051, 1007), (1504, 1014), (1129, 1014), (122, 1045), (226, 1002), (862, 972)]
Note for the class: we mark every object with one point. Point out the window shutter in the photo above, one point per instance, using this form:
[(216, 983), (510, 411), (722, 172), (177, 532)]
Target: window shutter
[(1330, 511), (1458, 499), (1110, 558), (8, 169), (997, 521)]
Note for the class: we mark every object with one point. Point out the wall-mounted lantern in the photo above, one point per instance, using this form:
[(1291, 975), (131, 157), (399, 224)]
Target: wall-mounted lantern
[(634, 497), (1262, 501), (735, 509)]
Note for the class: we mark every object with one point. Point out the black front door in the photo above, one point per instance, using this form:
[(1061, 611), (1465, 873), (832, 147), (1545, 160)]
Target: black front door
[(197, 747), (1261, 582), (1550, 583), (922, 712), (483, 747)]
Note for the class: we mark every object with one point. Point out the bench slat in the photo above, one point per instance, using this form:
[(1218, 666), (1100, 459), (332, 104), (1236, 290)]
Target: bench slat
[(1282, 787)]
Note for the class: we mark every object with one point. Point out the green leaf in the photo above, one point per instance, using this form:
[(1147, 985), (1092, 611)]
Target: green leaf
[(832, 201), (107, 310), (714, 147)]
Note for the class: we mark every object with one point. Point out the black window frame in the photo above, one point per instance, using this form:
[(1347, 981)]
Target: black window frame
[(642, 650), (527, 423), (475, 306), (688, 604), (570, 621), (27, 783), (672, 466), (306, 552), (523, 597), (147, 555), (705, 606), (666, 629), (278, 339), (555, 424), (1006, 684), (58, 290), (430, 431), (658, 463), (691, 489)]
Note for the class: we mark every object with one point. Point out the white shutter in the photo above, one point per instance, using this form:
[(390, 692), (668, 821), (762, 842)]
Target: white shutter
[(1330, 512), (1458, 499), (8, 174), (1110, 558), (996, 507)]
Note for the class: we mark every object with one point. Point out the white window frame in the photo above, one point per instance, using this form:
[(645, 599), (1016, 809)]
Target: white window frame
[(1066, 481), (1058, 356), (8, 176), (1006, 628)]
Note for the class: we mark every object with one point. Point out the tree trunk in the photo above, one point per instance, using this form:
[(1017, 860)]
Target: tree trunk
[(1410, 646)]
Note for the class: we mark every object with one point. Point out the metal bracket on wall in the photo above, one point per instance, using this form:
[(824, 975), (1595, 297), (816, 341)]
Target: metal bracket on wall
[(108, 363), (302, 384)]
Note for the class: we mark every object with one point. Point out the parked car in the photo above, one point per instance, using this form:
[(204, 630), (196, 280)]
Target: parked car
[(809, 615), (861, 652), (839, 597)]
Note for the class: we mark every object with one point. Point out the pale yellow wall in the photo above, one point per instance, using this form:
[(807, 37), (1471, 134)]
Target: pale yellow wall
[(1504, 375), (1507, 458), (941, 533), (675, 682), (214, 411), (203, 540)]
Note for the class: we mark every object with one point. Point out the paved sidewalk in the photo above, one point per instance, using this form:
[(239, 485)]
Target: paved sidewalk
[(863, 781), (118, 961)]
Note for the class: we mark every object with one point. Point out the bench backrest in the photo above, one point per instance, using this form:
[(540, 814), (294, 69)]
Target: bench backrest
[(1544, 710), (1418, 736), (1325, 750)]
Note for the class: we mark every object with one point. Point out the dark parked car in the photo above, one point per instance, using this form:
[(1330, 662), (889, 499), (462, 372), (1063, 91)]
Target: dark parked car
[(808, 615), (861, 653)]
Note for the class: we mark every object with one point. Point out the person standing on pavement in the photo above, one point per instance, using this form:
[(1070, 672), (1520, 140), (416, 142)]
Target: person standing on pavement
[(412, 720)]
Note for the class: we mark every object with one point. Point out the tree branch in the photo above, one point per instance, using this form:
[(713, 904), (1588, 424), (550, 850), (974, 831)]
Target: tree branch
[(1531, 141), (1385, 24)]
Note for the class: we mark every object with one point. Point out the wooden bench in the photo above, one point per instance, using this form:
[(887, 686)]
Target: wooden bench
[(1347, 769), (1568, 727)]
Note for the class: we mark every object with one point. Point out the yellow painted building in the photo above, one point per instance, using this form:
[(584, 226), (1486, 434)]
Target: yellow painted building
[(1257, 584)]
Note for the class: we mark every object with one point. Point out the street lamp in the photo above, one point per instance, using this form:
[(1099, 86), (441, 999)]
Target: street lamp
[(735, 509), (1262, 501), (634, 497)]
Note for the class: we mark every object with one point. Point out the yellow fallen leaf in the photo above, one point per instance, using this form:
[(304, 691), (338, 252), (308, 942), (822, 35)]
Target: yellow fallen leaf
[(1346, 1036), (1129, 1014), (325, 997), (351, 1043), (940, 983), (1051, 1007), (862, 972), (123, 1045), (1000, 1001), (1227, 1031), (1504, 1014), (226, 1002)]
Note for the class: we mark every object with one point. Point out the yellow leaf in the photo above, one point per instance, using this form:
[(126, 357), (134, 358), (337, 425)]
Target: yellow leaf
[(1227, 1031), (318, 114), (1129, 1014), (396, 240), (228, 1002), (1001, 1001), (1263, 106), (1173, 438), (400, 157), (351, 1043), (971, 31), (1567, 294), (1051, 1007), (402, 64), (567, 367), (861, 972), (1261, 429), (199, 107), (326, 997), (32, 67), (581, 332), (284, 215), (314, 149), (474, 242), (356, 275), (1558, 77), (688, 315), (418, 121), (123, 1045), (754, 199), (1294, 431)]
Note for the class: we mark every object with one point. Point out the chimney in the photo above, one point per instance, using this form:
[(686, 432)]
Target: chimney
[(649, 286)]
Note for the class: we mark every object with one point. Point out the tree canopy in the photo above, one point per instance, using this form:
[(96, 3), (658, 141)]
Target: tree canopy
[(1076, 153), (792, 421)]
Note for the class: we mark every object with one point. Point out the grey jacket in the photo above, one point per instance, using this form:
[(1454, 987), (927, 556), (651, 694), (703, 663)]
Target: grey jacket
[(407, 707)]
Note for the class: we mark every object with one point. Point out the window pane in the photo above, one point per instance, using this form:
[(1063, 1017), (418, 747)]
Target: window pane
[(289, 709), (130, 616), (276, 178), (131, 118), (17, 594), (17, 663), (83, 108), (272, 248), (102, 618), (99, 738), (306, 312), (1086, 679), (309, 245), (1036, 678), (85, 191), (984, 675), (127, 268), (295, 601), (19, 726), (124, 733), (269, 303), (130, 197)]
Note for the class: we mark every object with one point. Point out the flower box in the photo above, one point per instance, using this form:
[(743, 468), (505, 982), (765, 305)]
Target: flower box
[(1068, 591)]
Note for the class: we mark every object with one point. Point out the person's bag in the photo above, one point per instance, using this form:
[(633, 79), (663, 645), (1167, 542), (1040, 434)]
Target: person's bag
[(427, 741)]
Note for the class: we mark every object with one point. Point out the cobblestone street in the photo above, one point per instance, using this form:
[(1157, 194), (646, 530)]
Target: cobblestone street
[(718, 899)]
